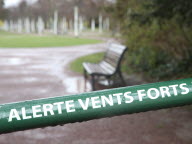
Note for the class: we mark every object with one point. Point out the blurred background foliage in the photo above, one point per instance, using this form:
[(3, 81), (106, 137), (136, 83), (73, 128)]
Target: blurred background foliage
[(159, 36)]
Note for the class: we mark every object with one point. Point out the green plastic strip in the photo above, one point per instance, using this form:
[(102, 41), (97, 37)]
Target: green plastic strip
[(99, 104)]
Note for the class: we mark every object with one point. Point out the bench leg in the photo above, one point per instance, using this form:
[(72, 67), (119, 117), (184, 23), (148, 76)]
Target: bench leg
[(108, 80), (93, 82), (85, 79), (121, 77)]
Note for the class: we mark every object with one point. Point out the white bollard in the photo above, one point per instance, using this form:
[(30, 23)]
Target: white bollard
[(11, 25), (50, 24), (76, 27), (64, 25), (71, 25), (107, 21), (19, 26), (40, 26), (33, 26), (14, 26), (27, 25), (6, 25), (93, 25), (100, 23), (81, 25), (55, 24)]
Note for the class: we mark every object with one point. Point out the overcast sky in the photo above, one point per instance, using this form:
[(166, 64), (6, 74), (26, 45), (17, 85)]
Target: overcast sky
[(9, 3)]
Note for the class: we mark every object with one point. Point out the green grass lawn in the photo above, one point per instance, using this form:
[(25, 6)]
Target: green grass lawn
[(12, 40), (76, 65)]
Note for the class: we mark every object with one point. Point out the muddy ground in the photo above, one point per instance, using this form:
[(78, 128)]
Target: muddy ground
[(27, 74)]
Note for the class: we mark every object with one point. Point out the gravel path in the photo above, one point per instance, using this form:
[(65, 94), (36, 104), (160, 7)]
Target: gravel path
[(38, 73)]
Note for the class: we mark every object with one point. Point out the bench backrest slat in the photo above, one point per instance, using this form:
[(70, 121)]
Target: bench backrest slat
[(114, 55), (107, 67)]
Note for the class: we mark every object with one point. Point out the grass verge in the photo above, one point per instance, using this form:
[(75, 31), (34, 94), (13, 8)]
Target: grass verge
[(76, 65), (12, 40)]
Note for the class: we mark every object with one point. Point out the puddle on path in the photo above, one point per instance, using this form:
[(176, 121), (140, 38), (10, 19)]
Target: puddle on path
[(76, 85), (13, 61), (71, 84)]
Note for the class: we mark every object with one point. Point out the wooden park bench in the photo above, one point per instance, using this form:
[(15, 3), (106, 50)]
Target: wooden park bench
[(108, 67)]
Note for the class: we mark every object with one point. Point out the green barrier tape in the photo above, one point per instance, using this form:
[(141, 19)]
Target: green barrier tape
[(82, 107)]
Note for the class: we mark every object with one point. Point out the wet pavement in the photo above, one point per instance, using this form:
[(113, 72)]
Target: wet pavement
[(27, 74), (42, 72)]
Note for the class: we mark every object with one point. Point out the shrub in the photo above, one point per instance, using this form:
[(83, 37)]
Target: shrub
[(159, 47)]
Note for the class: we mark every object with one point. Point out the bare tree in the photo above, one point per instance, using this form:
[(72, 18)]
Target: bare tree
[(89, 9), (3, 11)]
